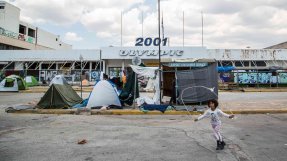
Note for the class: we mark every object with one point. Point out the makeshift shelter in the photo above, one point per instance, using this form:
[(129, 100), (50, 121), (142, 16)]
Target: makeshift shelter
[(13, 83), (190, 80), (59, 96), (103, 94), (130, 90), (59, 79), (9, 85), (31, 81), (151, 73)]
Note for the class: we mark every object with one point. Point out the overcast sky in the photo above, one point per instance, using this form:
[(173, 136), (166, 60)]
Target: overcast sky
[(91, 24)]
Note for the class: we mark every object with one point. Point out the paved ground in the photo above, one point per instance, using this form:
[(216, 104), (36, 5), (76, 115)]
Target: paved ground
[(29, 137), (227, 100), (139, 138)]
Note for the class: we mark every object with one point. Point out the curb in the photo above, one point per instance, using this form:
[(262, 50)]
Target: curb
[(138, 112)]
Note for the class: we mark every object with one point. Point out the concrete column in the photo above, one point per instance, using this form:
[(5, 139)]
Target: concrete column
[(40, 68), (104, 66), (123, 64), (90, 71)]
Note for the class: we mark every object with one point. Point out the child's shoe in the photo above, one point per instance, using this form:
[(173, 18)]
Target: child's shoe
[(219, 146), (222, 144)]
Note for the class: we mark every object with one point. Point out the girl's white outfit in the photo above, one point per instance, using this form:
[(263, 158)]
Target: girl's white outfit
[(215, 121)]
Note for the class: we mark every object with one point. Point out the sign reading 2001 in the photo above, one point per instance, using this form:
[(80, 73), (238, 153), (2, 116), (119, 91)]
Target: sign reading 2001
[(150, 41)]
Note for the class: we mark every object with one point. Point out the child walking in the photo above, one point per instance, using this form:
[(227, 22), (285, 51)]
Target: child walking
[(214, 113)]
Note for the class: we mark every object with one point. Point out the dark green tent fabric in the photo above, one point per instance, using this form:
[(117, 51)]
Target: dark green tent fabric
[(127, 94), (59, 96)]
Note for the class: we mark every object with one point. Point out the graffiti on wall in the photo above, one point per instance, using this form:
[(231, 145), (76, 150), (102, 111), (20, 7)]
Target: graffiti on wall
[(226, 77), (47, 75), (262, 78)]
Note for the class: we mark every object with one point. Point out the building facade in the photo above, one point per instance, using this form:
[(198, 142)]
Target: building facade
[(18, 35), (247, 66)]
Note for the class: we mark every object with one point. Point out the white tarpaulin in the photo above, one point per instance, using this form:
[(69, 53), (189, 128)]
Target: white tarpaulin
[(149, 72), (144, 71), (58, 79)]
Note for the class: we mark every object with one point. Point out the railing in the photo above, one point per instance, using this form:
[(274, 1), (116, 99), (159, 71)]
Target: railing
[(18, 36)]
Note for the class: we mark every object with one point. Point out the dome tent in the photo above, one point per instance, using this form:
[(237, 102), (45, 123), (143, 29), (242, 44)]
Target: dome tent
[(13, 83), (31, 81), (103, 94)]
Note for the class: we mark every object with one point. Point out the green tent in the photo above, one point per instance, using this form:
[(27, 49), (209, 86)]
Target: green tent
[(59, 96), (31, 81), (21, 83)]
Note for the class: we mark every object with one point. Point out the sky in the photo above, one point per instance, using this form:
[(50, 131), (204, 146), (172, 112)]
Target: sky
[(228, 24)]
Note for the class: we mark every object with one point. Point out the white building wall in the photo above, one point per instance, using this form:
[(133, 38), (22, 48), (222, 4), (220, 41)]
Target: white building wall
[(9, 17), (50, 40)]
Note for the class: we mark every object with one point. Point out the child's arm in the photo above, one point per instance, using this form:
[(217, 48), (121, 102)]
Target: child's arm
[(202, 116), (225, 114)]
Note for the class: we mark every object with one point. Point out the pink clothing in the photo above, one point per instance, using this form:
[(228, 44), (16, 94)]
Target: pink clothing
[(216, 132), (215, 121)]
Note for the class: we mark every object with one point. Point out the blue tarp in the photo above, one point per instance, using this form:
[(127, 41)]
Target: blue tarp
[(151, 107), (225, 68)]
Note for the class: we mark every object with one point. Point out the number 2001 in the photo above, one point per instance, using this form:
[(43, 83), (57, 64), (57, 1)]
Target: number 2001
[(149, 41)]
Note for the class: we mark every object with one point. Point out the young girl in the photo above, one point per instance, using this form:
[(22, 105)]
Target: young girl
[(214, 112)]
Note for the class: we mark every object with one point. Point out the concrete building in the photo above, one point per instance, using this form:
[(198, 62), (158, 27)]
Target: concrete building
[(16, 34), (248, 65)]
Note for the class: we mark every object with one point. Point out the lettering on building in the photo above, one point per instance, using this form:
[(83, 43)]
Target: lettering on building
[(151, 53)]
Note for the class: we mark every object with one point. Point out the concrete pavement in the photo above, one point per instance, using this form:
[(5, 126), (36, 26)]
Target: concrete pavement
[(140, 138)]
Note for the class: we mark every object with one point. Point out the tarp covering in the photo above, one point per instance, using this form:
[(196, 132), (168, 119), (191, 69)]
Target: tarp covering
[(127, 94), (59, 79), (225, 69), (59, 96), (103, 94), (148, 72), (144, 71), (161, 108), (197, 85)]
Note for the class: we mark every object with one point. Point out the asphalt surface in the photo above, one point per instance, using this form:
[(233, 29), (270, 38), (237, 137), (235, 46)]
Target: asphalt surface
[(28, 137), (227, 100), (140, 138)]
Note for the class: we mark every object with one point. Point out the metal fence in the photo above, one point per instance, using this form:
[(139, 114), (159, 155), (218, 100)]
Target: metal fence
[(45, 76)]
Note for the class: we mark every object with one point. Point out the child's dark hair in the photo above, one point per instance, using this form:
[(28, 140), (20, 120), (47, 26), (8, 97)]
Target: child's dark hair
[(213, 101)]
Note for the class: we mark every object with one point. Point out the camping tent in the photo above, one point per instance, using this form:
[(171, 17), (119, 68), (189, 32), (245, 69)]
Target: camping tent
[(59, 79), (31, 81), (59, 96), (9, 85), (103, 94), (13, 83)]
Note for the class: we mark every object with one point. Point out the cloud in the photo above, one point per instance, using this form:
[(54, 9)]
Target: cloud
[(71, 36), (227, 23)]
